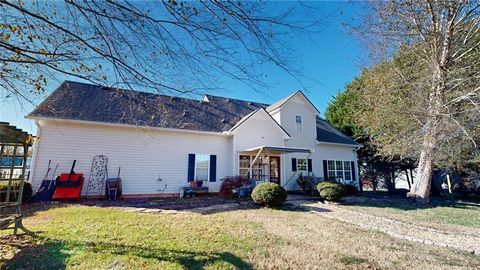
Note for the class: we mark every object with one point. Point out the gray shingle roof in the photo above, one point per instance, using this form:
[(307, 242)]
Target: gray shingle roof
[(87, 102), (327, 133)]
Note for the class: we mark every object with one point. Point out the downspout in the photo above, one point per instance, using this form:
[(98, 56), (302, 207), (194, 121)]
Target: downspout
[(357, 168), (234, 156), (34, 152)]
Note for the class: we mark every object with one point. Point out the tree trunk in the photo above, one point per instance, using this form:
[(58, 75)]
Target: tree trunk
[(411, 175), (408, 180), (421, 188)]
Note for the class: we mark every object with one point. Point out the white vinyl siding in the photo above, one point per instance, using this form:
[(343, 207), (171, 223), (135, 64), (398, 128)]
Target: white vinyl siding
[(150, 160)]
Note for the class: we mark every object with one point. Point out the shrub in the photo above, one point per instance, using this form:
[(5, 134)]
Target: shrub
[(27, 191), (350, 189), (269, 194), (307, 183), (230, 183), (330, 191)]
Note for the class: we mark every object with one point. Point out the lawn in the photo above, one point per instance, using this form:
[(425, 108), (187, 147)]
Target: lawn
[(89, 237), (440, 214)]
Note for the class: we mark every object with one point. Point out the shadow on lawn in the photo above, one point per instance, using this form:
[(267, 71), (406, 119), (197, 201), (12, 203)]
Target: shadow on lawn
[(54, 255), (30, 255), (292, 207), (187, 259)]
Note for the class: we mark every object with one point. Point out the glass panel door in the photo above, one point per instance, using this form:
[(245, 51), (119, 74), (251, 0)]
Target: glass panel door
[(275, 169)]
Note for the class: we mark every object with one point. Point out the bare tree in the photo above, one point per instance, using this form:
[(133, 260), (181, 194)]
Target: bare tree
[(443, 37), (169, 46)]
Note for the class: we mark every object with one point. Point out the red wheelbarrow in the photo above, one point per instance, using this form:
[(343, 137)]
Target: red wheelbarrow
[(69, 185)]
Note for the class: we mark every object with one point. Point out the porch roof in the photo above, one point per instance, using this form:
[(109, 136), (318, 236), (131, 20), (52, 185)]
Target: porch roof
[(279, 150)]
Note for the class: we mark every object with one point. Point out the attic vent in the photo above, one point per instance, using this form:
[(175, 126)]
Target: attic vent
[(185, 113), (224, 121), (205, 98), (228, 100), (173, 98), (250, 103)]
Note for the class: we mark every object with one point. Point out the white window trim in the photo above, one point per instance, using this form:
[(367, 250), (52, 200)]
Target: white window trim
[(208, 168), (301, 124)]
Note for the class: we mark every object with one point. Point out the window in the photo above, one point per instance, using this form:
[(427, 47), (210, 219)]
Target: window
[(347, 170), (298, 123), (301, 164), (201, 167), (339, 170), (259, 168), (244, 165)]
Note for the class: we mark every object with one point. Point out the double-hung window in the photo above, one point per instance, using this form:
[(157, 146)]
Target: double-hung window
[(298, 123), (301, 164), (339, 170), (201, 167)]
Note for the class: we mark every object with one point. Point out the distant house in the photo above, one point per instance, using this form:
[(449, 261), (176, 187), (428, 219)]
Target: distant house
[(162, 142)]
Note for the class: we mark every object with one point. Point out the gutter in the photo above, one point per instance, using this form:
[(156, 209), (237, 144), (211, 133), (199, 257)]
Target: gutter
[(357, 146), (127, 126)]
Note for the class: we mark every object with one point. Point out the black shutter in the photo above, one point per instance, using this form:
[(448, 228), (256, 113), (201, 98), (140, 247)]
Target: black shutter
[(191, 167), (325, 170), (294, 164), (352, 165), (309, 165), (213, 168)]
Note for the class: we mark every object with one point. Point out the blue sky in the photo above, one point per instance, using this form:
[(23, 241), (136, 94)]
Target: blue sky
[(332, 58)]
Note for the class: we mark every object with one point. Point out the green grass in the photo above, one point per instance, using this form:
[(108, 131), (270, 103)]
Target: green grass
[(80, 237), (92, 237), (448, 214), (351, 260)]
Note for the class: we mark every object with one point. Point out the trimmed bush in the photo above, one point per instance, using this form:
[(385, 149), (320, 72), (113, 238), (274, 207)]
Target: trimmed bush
[(330, 191), (230, 183), (269, 194), (27, 191)]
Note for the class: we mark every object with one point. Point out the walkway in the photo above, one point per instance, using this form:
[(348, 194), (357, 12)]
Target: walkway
[(394, 228)]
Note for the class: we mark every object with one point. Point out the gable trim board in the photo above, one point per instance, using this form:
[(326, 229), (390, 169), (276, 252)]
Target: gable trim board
[(274, 107), (246, 118), (156, 160)]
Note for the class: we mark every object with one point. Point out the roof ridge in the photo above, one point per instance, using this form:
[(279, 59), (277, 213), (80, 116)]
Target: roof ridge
[(158, 94), (237, 99)]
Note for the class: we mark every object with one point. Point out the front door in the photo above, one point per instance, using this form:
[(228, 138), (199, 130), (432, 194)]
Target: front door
[(274, 169)]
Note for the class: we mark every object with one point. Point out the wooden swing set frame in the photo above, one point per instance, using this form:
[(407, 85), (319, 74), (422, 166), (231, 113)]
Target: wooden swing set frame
[(11, 215)]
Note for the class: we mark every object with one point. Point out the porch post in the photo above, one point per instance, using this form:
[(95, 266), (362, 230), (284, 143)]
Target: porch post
[(253, 161)]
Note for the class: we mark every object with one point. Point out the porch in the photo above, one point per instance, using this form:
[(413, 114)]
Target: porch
[(267, 163)]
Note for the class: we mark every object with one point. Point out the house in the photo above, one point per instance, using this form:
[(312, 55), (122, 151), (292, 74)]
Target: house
[(161, 142)]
